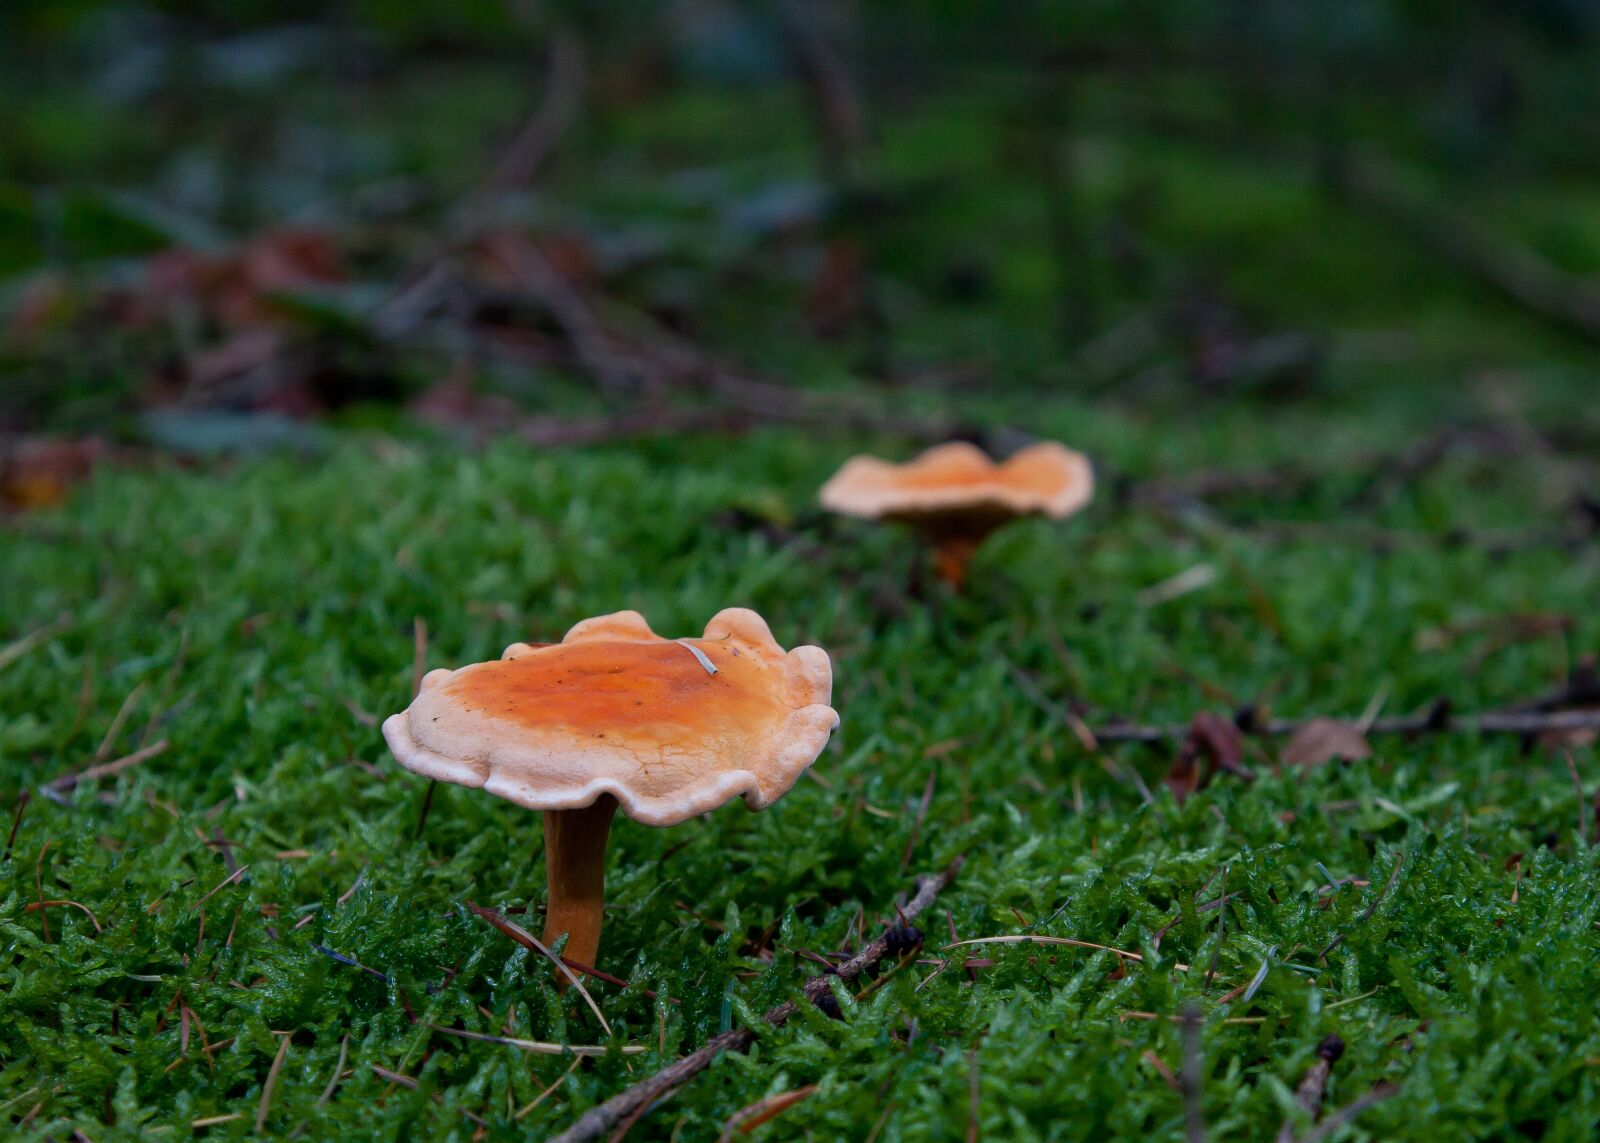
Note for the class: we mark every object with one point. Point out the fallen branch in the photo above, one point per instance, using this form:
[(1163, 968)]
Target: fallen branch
[(820, 67), (557, 109), (590, 341), (1514, 271), (628, 1105), (1437, 720), (516, 166)]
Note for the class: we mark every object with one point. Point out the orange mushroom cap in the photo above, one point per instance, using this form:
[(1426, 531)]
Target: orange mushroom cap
[(616, 709), (959, 481)]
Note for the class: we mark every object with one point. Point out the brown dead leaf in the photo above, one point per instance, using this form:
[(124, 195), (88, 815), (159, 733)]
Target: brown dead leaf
[(1183, 777), (1320, 740), (1211, 739)]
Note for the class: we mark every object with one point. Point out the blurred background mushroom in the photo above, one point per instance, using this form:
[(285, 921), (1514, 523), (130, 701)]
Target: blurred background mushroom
[(615, 715), (954, 496)]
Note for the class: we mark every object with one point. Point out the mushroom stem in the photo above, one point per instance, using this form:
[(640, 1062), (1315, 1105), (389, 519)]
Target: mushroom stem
[(575, 864), (952, 555)]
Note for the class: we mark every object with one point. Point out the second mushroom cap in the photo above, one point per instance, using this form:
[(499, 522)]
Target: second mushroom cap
[(954, 495)]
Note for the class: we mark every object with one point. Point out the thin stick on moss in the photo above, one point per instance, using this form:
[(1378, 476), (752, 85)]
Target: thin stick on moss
[(353, 963), (338, 1070), (105, 769), (768, 1107), (40, 906), (922, 813), (1308, 1096), (117, 721), (538, 1047), (17, 648), (1194, 1118), (1583, 809), (221, 885), (38, 884), (1071, 942), (527, 940), (628, 1104), (546, 1093), (1394, 874), (16, 824), (410, 1084), (1349, 1111), (272, 1080)]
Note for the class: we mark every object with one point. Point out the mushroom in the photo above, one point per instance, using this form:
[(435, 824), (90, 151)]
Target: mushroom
[(615, 715), (955, 496)]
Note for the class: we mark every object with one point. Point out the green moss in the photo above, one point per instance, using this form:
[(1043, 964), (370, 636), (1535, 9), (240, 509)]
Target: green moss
[(250, 612)]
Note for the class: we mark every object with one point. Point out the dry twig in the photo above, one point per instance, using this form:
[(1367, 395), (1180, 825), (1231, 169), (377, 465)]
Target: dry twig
[(1438, 720), (1194, 1119), (1516, 272), (265, 1105), (627, 1104), (538, 1047), (1308, 1096), (106, 769), (529, 941), (747, 1119)]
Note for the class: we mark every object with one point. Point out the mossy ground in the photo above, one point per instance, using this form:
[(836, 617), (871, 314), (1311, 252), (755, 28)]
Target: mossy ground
[(247, 616)]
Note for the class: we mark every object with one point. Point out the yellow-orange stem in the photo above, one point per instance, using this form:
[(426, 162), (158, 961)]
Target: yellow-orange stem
[(952, 555), (575, 864)]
